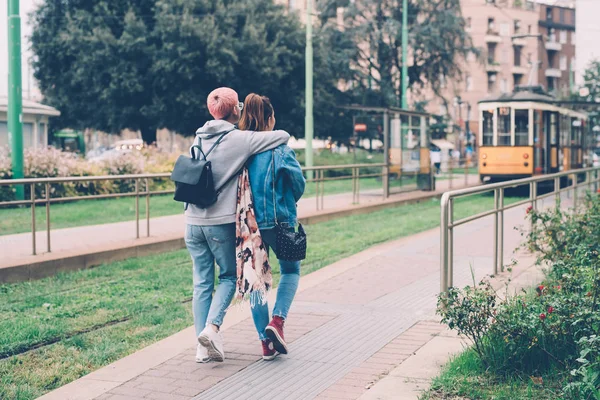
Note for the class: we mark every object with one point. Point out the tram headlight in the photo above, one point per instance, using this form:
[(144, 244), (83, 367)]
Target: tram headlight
[(484, 156), (526, 156)]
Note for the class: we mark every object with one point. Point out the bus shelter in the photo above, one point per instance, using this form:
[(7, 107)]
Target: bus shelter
[(406, 144)]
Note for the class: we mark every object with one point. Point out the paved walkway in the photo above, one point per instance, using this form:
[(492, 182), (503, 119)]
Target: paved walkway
[(351, 324), (17, 249)]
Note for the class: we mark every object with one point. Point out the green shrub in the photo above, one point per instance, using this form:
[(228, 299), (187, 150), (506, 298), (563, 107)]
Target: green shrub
[(555, 327)]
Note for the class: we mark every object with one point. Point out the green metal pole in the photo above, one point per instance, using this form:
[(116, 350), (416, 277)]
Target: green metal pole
[(309, 122), (404, 53), (15, 95)]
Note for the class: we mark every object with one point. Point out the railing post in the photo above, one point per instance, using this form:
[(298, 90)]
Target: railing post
[(33, 238), (48, 218), (137, 208), (557, 190), (533, 197), (575, 185), (147, 207), (496, 202), (316, 182), (357, 185), (450, 172), (444, 245), (501, 230), (450, 242), (466, 173), (322, 189)]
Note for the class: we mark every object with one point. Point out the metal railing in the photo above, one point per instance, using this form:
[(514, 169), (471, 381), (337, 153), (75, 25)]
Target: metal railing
[(319, 179), (141, 184), (589, 178)]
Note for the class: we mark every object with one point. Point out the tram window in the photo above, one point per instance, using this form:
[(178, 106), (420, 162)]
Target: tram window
[(504, 126), (565, 129), (488, 128), (521, 127), (553, 132)]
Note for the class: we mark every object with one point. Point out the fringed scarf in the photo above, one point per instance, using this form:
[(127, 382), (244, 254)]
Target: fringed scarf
[(253, 268)]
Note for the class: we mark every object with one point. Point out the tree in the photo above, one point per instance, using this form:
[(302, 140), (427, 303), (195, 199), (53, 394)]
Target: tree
[(148, 64), (437, 42)]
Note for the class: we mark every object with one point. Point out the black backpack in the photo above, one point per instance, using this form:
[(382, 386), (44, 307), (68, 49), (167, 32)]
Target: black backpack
[(193, 177)]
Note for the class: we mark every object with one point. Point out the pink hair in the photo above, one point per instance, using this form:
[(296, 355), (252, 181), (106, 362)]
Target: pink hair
[(221, 101)]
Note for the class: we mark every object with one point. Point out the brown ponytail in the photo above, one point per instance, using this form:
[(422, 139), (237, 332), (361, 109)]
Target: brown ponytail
[(256, 113)]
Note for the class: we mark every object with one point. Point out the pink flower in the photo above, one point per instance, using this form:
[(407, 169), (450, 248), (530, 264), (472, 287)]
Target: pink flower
[(529, 209)]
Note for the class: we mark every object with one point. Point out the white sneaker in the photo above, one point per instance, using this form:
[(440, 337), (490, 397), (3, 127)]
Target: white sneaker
[(202, 354), (213, 343)]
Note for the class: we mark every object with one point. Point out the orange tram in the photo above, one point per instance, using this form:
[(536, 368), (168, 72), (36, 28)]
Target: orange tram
[(527, 133)]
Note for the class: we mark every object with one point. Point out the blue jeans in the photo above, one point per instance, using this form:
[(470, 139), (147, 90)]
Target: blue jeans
[(288, 285), (206, 245)]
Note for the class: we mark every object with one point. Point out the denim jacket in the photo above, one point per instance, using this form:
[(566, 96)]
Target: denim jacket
[(289, 186)]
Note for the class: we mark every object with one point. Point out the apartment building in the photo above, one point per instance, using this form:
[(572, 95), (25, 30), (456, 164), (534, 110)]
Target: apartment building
[(557, 49)]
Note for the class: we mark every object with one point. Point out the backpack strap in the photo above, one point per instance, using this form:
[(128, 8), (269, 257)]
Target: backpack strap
[(199, 145)]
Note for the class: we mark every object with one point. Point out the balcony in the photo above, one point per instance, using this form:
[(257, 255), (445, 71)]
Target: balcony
[(492, 67), (519, 70), (553, 46), (492, 37), (519, 42), (553, 73)]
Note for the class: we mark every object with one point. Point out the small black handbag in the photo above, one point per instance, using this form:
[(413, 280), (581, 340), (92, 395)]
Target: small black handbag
[(289, 244)]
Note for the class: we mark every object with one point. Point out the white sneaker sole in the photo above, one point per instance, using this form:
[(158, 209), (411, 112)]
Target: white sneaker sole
[(213, 353), (202, 360), (271, 358)]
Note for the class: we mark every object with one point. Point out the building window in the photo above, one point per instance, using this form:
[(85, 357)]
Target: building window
[(517, 56), (491, 26), (504, 85), (548, 13), (562, 15), (551, 84), (505, 29), (517, 79), (563, 63), (491, 83), (517, 26), (552, 35), (529, 29), (491, 53), (292, 5), (573, 65), (563, 37), (469, 83)]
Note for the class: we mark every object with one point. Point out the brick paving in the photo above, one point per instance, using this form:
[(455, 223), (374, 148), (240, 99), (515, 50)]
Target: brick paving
[(346, 333), (71, 241)]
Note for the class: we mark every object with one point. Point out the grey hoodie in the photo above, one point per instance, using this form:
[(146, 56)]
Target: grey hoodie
[(227, 160)]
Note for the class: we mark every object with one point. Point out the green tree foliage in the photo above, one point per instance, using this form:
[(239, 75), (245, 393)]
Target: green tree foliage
[(148, 64), (437, 41)]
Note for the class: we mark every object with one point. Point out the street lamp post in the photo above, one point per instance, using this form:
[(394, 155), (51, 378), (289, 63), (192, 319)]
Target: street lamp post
[(308, 119), (404, 53), (15, 94)]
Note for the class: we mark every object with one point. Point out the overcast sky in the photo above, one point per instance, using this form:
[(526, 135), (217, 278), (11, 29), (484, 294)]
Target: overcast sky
[(26, 7)]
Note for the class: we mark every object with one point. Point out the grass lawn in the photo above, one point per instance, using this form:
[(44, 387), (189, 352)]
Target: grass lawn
[(464, 377), (55, 330)]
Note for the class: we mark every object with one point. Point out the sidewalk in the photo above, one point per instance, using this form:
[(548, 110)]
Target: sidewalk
[(92, 245), (351, 324)]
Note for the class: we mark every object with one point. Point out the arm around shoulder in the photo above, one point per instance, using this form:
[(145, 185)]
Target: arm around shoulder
[(294, 172), (263, 141)]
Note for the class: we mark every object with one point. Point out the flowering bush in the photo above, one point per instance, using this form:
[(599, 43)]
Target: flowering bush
[(50, 162), (555, 326), (6, 192)]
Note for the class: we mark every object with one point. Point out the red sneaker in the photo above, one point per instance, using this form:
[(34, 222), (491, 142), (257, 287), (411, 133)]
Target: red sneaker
[(269, 352), (274, 331)]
